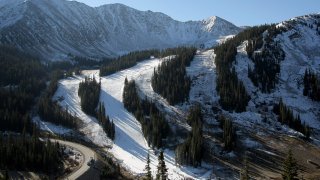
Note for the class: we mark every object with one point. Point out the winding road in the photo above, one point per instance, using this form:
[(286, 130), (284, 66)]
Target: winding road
[(87, 154)]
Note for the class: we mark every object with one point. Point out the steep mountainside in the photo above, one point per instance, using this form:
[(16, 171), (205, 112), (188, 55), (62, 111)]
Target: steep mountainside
[(300, 43), (56, 28)]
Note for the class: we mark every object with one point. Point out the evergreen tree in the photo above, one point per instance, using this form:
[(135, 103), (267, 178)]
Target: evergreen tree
[(290, 167), (105, 122), (29, 153), (154, 126), (148, 169), (170, 79), (190, 152), (286, 116), (89, 93), (311, 85), (229, 134), (162, 169)]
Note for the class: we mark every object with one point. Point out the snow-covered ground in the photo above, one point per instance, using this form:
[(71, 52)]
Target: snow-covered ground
[(129, 146), (68, 89), (202, 72), (50, 127), (174, 114)]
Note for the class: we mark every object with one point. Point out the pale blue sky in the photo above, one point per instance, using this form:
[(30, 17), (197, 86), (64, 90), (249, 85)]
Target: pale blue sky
[(239, 12)]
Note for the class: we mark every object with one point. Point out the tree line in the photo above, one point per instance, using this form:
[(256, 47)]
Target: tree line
[(75, 64), (286, 116), (154, 126), (110, 66), (89, 93), (190, 152), (170, 79), (266, 62), (311, 85), (126, 61), (233, 95), (29, 153), (106, 123), (51, 111)]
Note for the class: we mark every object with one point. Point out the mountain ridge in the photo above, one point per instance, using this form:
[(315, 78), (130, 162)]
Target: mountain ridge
[(56, 29)]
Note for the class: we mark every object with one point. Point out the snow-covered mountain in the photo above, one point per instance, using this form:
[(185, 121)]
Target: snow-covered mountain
[(55, 28)]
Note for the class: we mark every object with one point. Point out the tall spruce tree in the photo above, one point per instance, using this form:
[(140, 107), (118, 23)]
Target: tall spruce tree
[(162, 169), (229, 134), (107, 125), (290, 167), (148, 169)]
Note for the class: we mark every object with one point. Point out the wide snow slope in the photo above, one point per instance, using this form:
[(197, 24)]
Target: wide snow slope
[(54, 29), (68, 89), (130, 146)]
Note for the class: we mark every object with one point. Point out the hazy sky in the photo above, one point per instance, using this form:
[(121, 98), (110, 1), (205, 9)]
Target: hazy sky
[(239, 12)]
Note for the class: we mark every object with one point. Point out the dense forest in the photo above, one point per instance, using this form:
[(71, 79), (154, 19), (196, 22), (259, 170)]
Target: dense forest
[(89, 93), (311, 85), (75, 64), (170, 79), (154, 126), (286, 116), (29, 153), (106, 123), (190, 152), (233, 95), (22, 78)]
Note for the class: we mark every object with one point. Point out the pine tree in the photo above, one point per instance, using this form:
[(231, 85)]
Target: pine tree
[(148, 169), (191, 151), (229, 134), (290, 167), (162, 170)]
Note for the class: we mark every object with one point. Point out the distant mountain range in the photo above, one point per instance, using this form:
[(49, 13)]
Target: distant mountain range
[(53, 29)]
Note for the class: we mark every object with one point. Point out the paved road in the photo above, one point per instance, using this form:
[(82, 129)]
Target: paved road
[(87, 154)]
